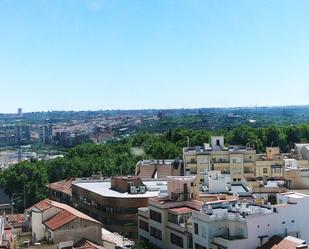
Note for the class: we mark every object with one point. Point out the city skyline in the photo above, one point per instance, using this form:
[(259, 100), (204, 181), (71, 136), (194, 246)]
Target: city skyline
[(98, 55)]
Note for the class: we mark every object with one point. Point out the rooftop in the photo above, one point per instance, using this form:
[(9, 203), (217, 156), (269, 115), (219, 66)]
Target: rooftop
[(103, 187), (116, 239), (66, 215), (181, 210), (64, 186), (59, 220)]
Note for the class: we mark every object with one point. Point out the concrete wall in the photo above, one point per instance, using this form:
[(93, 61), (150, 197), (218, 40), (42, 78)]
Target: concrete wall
[(77, 229)]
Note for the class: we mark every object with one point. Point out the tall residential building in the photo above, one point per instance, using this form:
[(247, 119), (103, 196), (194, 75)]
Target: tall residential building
[(165, 223), (22, 134), (20, 112), (46, 134)]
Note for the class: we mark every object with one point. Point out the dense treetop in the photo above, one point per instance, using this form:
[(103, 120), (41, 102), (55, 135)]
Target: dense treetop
[(27, 182)]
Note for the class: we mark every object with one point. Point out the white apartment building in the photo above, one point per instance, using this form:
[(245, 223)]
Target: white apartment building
[(246, 226)]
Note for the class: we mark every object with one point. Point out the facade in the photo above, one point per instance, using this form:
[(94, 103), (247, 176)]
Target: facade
[(225, 224), (237, 161), (61, 191), (243, 162), (57, 222), (165, 223), (22, 134), (251, 226), (46, 134), (115, 201)]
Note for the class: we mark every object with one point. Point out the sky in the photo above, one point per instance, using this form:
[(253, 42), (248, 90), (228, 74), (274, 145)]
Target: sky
[(140, 54)]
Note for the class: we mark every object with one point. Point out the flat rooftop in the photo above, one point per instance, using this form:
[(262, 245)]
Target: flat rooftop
[(103, 187)]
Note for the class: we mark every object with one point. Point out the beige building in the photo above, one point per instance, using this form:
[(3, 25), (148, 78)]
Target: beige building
[(165, 223), (241, 162), (57, 222), (237, 161)]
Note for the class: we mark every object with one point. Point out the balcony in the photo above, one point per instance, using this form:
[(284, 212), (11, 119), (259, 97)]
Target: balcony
[(144, 212)]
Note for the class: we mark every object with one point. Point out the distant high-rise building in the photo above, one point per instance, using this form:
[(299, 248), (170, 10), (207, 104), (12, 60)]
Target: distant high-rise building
[(20, 112), (46, 134), (22, 134)]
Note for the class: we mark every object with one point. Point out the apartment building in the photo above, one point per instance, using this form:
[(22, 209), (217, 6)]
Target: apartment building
[(225, 224), (241, 162), (237, 161), (249, 225), (165, 223), (115, 201)]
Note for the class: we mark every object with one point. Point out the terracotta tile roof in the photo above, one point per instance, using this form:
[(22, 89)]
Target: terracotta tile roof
[(43, 205), (277, 242), (289, 243), (63, 217), (86, 244), (64, 186), (181, 210), (60, 219)]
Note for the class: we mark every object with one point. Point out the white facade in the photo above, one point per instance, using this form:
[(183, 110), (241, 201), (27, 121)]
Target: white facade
[(252, 226)]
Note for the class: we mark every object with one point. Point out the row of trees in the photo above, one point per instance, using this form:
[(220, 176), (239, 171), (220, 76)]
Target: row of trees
[(27, 182)]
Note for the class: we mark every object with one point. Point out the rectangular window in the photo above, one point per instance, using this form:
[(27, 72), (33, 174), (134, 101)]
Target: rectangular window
[(264, 170), (196, 228), (203, 228), (276, 170), (143, 225), (198, 246), (155, 216), (156, 233), (176, 240)]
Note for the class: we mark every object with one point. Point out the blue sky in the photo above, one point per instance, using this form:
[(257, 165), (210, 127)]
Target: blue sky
[(110, 54)]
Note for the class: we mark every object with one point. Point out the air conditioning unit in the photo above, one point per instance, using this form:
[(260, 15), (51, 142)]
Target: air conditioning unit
[(133, 190), (142, 189)]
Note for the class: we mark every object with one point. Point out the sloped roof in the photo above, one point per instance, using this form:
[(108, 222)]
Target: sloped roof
[(43, 205), (63, 217), (276, 242), (60, 219), (64, 186), (289, 243), (86, 244)]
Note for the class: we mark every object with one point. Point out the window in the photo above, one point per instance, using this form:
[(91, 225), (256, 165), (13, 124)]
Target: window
[(156, 233), (155, 216), (198, 246), (192, 160), (176, 240), (264, 170), (218, 142), (277, 170), (196, 228), (203, 228), (143, 225), (234, 160)]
